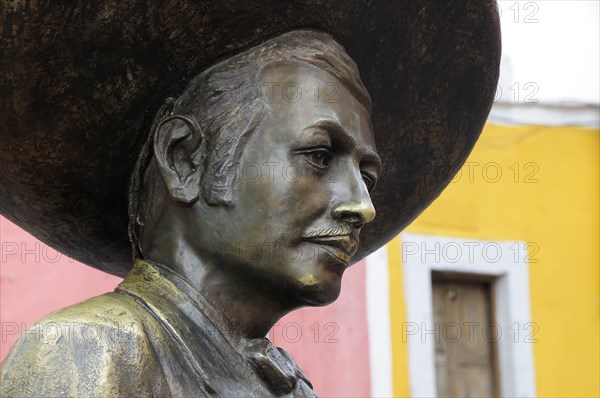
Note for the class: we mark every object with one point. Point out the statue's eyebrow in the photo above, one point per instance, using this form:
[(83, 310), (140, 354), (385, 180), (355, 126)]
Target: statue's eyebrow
[(338, 132)]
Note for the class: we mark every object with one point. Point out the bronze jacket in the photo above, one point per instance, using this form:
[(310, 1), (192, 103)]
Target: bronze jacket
[(154, 336)]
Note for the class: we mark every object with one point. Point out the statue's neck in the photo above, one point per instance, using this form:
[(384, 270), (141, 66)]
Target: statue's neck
[(249, 309)]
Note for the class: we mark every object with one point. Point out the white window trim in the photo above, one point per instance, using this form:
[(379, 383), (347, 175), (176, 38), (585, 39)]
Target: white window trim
[(507, 263)]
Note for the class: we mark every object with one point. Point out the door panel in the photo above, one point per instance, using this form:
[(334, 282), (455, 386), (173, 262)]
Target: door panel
[(465, 334)]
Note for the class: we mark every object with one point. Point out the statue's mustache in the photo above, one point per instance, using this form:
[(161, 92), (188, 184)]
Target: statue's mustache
[(341, 230)]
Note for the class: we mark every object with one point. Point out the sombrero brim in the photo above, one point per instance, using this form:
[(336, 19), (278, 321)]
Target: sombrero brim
[(80, 84)]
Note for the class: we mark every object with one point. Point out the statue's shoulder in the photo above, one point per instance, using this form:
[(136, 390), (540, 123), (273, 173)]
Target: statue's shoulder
[(94, 318), (99, 347)]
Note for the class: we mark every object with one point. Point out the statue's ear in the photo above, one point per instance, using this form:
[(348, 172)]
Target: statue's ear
[(177, 147)]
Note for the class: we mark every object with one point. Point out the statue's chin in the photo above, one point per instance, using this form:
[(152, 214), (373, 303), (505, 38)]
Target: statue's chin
[(320, 293)]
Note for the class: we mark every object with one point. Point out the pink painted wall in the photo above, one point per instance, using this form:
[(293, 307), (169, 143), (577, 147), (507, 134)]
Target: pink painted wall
[(36, 280), (329, 343)]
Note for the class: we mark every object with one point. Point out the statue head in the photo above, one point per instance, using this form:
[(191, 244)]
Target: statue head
[(261, 170), (187, 206)]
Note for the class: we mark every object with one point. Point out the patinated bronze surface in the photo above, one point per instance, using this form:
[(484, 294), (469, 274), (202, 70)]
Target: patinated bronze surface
[(87, 79), (249, 187)]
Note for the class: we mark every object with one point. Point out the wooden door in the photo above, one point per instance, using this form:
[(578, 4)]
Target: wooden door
[(465, 359)]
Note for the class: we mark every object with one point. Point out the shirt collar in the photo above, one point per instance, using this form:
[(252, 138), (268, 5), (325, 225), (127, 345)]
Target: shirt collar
[(200, 330)]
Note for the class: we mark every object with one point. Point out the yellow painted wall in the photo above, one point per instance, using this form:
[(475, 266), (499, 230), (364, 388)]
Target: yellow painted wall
[(535, 184)]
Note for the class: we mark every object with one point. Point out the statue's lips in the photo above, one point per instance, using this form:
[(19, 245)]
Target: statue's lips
[(340, 246)]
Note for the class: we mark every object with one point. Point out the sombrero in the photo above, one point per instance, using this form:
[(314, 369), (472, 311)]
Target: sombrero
[(80, 83)]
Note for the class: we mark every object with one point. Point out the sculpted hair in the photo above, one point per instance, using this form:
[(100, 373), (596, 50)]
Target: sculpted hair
[(228, 103)]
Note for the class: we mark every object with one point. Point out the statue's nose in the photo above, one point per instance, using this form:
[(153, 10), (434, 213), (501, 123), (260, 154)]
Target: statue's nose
[(354, 204)]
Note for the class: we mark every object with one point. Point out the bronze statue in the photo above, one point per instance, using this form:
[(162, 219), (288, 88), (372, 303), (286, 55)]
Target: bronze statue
[(247, 196)]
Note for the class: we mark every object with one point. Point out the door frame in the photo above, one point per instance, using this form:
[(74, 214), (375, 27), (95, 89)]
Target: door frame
[(505, 262)]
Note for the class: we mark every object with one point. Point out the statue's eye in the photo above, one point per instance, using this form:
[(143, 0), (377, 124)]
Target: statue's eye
[(319, 157)]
